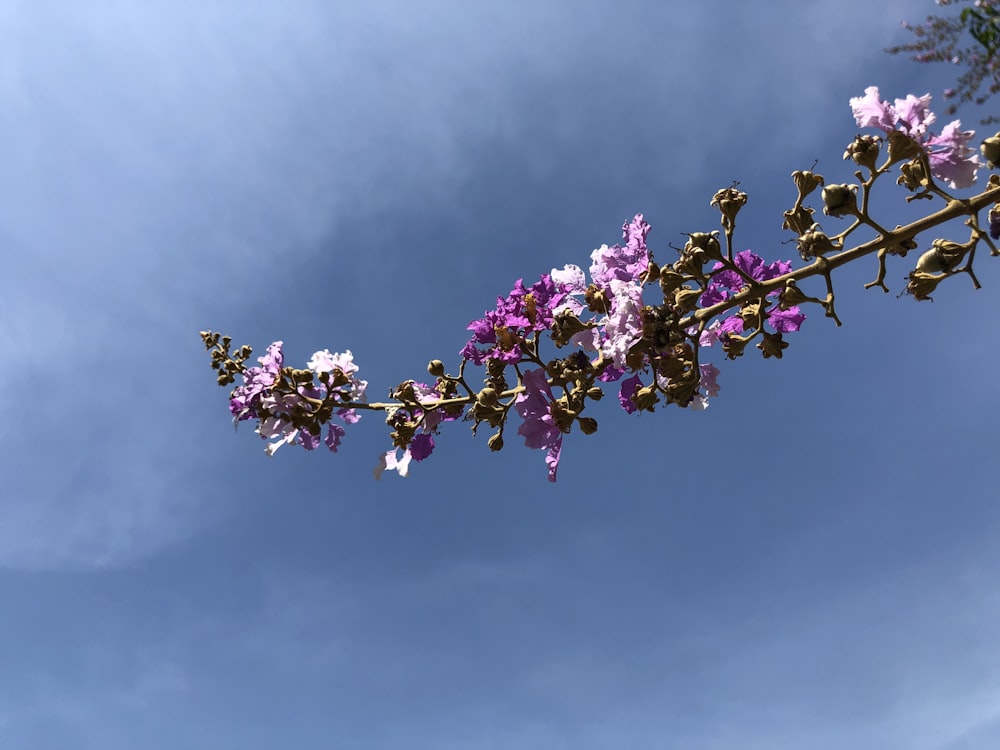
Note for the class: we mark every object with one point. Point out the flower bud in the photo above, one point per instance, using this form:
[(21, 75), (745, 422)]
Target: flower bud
[(597, 300), (815, 242), (645, 398), (595, 394), (588, 425), (707, 243), (840, 200), (806, 182), (495, 442), (902, 147), (686, 299), (733, 345), (792, 295), (991, 150), (943, 256), (864, 150), (652, 273), (565, 325), (562, 414), (436, 368), (912, 175), (772, 345), (670, 280), (920, 285), (729, 201), (799, 219)]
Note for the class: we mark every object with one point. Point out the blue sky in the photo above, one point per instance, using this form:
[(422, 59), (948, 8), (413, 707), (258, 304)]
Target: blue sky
[(811, 562)]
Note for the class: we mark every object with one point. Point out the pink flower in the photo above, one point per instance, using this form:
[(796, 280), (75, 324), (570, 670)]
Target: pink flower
[(951, 160)]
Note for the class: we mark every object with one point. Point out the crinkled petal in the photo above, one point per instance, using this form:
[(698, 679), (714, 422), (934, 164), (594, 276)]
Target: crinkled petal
[(421, 446), (871, 112), (628, 388), (786, 321)]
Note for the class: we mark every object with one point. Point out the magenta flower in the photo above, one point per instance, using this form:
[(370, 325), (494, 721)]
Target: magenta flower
[(725, 284), (421, 446), (539, 428), (522, 312)]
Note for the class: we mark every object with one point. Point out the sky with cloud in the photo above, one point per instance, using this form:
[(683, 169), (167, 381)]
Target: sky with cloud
[(811, 562)]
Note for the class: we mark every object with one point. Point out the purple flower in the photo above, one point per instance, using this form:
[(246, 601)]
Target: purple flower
[(523, 311), (709, 376), (325, 361), (622, 263), (257, 382), (334, 432), (732, 324), (539, 428), (421, 446), (951, 158), (710, 335), (914, 113), (628, 389), (726, 283), (749, 263), (610, 374), (273, 410), (871, 112), (786, 321)]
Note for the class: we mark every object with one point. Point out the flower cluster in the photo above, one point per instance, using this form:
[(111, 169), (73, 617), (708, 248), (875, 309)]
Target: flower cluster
[(290, 407), (772, 309), (501, 333), (950, 157), (415, 423)]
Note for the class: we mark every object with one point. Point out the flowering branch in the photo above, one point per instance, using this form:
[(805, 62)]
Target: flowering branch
[(637, 323)]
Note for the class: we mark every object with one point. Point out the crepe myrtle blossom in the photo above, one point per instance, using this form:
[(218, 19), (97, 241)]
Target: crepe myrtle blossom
[(624, 263), (500, 332), (615, 272), (421, 445), (708, 387), (950, 157), (539, 428), (418, 449), (726, 283), (257, 382), (257, 398)]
